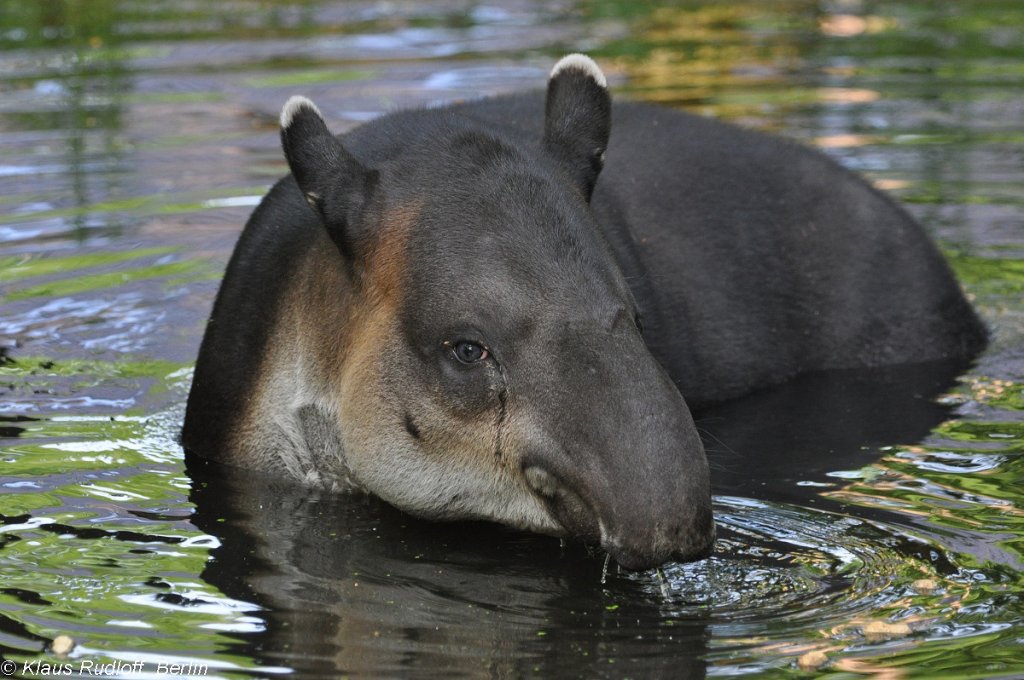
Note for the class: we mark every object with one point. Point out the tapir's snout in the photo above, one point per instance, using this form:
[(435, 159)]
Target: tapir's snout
[(620, 463), (639, 533), (684, 539)]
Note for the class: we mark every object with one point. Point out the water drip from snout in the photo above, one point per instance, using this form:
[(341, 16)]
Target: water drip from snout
[(663, 582)]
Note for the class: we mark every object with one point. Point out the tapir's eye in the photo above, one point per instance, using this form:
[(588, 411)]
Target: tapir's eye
[(469, 352)]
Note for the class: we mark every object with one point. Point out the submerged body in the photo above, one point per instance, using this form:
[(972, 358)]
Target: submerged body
[(444, 308)]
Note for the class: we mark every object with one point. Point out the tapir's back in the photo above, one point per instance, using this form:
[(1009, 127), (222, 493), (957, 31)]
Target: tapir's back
[(755, 259)]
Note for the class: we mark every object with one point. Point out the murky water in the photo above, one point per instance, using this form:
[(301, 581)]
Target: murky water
[(860, 515)]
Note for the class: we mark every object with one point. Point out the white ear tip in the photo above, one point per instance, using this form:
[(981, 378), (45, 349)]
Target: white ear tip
[(580, 62), (292, 106)]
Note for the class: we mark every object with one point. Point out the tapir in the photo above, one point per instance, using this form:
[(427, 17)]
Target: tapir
[(505, 309)]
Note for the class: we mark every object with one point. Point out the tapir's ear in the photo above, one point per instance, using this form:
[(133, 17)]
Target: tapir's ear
[(578, 118), (334, 183)]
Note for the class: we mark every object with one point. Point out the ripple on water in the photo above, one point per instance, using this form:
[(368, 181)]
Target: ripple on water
[(774, 560), (780, 571)]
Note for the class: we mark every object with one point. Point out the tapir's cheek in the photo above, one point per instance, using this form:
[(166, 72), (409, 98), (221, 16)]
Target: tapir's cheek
[(469, 391)]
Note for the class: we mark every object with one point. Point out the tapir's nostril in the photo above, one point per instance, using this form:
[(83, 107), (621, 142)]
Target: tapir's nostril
[(567, 507), (541, 481)]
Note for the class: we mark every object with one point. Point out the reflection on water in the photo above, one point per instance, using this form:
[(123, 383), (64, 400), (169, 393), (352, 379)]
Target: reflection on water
[(820, 423), (859, 517)]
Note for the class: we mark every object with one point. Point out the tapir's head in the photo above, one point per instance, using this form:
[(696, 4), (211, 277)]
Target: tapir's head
[(492, 363)]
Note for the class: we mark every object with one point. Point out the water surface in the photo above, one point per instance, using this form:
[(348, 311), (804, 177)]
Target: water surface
[(875, 517)]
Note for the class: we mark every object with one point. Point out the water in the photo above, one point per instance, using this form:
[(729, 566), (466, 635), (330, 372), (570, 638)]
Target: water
[(134, 139)]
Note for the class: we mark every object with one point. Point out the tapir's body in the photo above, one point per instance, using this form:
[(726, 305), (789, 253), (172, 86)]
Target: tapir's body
[(754, 258), (749, 260)]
